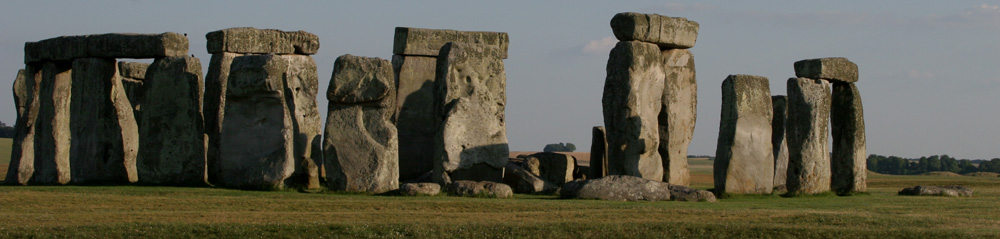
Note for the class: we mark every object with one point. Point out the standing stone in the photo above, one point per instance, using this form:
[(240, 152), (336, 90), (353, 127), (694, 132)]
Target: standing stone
[(301, 85), (556, 168), (743, 161), (667, 32), (132, 74), (22, 158), (472, 142), (214, 107), (256, 149), (598, 153), (780, 150), (416, 116), (105, 137), (633, 94), (52, 133), (360, 143), (172, 142), (677, 115), (806, 131), (849, 162)]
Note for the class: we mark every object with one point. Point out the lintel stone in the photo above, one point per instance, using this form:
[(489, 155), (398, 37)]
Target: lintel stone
[(428, 42), (111, 45)]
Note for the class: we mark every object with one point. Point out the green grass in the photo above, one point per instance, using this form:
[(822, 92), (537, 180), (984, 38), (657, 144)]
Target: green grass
[(5, 146)]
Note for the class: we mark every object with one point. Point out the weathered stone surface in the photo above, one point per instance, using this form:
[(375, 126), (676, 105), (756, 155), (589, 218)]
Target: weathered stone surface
[(22, 158), (836, 69), (172, 142), (361, 143), (633, 94), (105, 138), (472, 85), (667, 32), (951, 190), (807, 131), (849, 160), (134, 70), (111, 45), (677, 115), (617, 188), (523, 181), (416, 113), (132, 74), (301, 87), (743, 161), (261, 41), (598, 153), (256, 145), (414, 189), (485, 188), (779, 105), (684, 193), (52, 133), (553, 167), (214, 107), (428, 42)]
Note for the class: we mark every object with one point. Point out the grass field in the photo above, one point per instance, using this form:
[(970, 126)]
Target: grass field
[(5, 145), (128, 211)]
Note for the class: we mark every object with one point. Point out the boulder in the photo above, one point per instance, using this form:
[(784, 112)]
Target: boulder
[(468, 188), (807, 133), (556, 168), (677, 115), (105, 137), (835, 69), (428, 42), (667, 32), (598, 153), (361, 144), (111, 45), (472, 141), (172, 142), (416, 113), (743, 162), (780, 146), (214, 107), (261, 41), (952, 190), (256, 145), (683, 193), (617, 188), (414, 189), (52, 132), (849, 169), (22, 158), (523, 181), (633, 94)]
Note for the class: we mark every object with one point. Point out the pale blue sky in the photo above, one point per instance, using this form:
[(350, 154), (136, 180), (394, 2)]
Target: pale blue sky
[(930, 70)]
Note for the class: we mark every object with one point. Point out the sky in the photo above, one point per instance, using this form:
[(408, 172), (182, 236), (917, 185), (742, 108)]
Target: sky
[(929, 70)]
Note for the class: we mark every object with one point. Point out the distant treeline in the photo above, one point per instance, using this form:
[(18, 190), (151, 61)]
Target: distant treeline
[(903, 166), (6, 131)]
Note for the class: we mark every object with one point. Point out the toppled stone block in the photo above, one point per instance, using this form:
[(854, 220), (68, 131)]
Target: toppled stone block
[(472, 188), (22, 158), (743, 163), (105, 137), (617, 188), (361, 143), (250, 40), (416, 113), (683, 193), (677, 115), (779, 104), (633, 94), (414, 189), (807, 133), (172, 136), (428, 42), (111, 45), (836, 69), (52, 131), (598, 153), (556, 168), (666, 32), (523, 181), (952, 191), (849, 162)]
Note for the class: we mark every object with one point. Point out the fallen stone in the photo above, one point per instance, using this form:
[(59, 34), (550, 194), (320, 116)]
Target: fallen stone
[(677, 115), (22, 158), (836, 69), (111, 45), (468, 188), (667, 32), (52, 131), (414, 189), (849, 159), (105, 137), (598, 153), (249, 40), (683, 193), (633, 94), (780, 145), (617, 188), (523, 181), (256, 145), (416, 113), (361, 143), (806, 132), (172, 141), (428, 42), (556, 168), (472, 86), (951, 191), (743, 162)]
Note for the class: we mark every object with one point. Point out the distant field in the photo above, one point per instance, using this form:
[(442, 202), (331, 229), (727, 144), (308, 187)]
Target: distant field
[(130, 211), (5, 145)]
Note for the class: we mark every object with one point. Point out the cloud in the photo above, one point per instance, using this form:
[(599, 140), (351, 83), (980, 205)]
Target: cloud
[(600, 46)]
